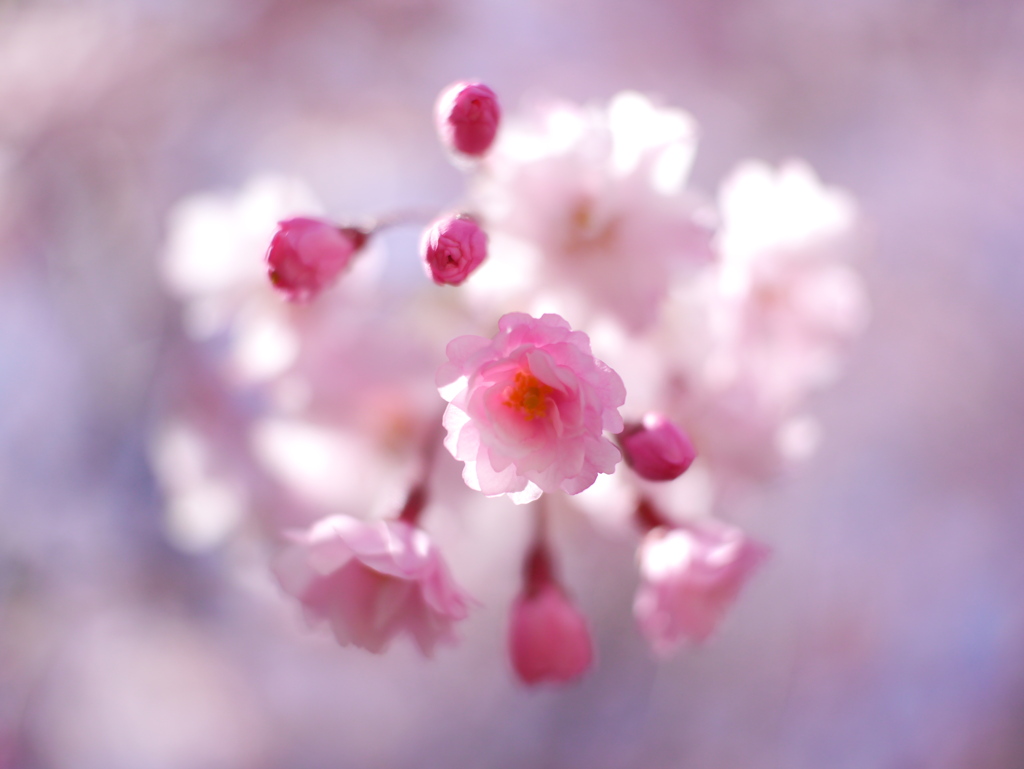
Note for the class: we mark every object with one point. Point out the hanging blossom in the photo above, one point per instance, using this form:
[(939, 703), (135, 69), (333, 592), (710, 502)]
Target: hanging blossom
[(371, 581), (690, 574), (549, 640), (720, 323), (527, 408)]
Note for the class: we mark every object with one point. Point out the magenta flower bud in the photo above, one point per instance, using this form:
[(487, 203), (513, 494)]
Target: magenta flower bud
[(467, 118), (657, 449), (452, 247), (548, 636), (306, 255)]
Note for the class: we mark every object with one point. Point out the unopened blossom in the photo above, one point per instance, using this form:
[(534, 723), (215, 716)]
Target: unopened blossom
[(594, 205), (371, 581), (306, 255), (548, 636), (657, 449), (689, 578), (452, 248), (467, 116), (527, 408), (214, 239)]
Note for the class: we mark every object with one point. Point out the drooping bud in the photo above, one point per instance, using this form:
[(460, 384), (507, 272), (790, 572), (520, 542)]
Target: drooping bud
[(689, 577), (467, 117), (548, 636), (306, 255), (452, 248), (657, 449)]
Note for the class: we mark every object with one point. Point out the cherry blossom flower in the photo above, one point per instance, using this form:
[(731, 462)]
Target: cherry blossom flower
[(689, 578), (452, 248), (596, 200), (527, 408), (765, 325), (371, 581), (656, 448), (789, 299), (467, 116), (548, 636)]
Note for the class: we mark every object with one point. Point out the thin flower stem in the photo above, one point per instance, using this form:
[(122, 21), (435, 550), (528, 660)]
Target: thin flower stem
[(538, 570), (418, 496), (541, 524), (648, 517), (401, 218), (414, 504)]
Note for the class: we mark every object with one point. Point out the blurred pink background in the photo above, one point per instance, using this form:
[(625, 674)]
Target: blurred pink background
[(887, 631)]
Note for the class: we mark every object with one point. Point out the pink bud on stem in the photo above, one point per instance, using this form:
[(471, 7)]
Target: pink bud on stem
[(657, 449), (548, 636), (467, 117), (452, 248), (306, 255)]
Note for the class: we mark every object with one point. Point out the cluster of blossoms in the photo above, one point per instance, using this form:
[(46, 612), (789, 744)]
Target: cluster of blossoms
[(646, 358)]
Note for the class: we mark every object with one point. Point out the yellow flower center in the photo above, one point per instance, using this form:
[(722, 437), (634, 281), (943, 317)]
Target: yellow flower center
[(528, 395), (587, 232)]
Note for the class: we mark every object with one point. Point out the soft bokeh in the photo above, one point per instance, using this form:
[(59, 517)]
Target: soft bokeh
[(886, 630)]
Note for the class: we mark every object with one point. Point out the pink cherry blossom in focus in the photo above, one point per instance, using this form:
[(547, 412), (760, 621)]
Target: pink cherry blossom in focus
[(657, 449), (527, 408), (689, 578), (371, 581), (306, 255), (548, 636), (452, 247), (467, 116)]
